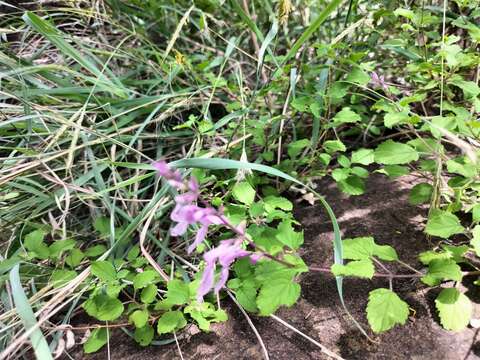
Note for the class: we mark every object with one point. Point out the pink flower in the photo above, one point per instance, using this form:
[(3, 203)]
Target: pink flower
[(378, 81), (173, 177), (187, 213), (225, 254)]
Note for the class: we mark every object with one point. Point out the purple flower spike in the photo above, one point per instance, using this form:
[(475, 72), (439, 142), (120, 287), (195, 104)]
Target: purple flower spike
[(225, 254), (173, 177), (379, 81)]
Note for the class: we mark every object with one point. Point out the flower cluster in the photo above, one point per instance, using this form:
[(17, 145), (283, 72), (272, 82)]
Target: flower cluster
[(186, 213), (378, 81)]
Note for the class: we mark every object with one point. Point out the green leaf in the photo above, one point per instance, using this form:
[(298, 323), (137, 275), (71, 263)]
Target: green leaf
[(358, 76), (385, 309), (139, 318), (439, 270), (279, 292), (340, 174), (476, 213), (204, 314), (104, 270), (363, 156), (178, 292), (277, 202), (420, 193), (394, 118), (454, 309), (428, 256), (332, 146), (145, 278), (288, 236), (346, 115), (60, 277), (443, 224), (170, 322), (352, 185), (74, 258), (363, 248), (244, 193), (97, 339), (393, 153), (34, 243), (296, 147), (359, 268), (144, 335), (475, 242), (103, 307), (95, 251), (148, 294), (393, 171), (246, 296), (58, 247), (102, 225)]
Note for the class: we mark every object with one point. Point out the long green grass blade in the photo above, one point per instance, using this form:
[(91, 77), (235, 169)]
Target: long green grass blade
[(311, 29), (25, 312)]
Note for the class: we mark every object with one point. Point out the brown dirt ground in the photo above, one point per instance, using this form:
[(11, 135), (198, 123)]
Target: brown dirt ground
[(383, 212)]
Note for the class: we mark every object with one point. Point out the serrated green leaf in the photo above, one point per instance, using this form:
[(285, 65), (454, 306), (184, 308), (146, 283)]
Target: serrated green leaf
[(171, 321), (288, 236), (394, 153), (104, 270), (358, 268), (385, 310), (148, 294), (420, 193), (358, 76), (454, 309), (144, 335), (60, 277), (74, 258), (139, 318), (244, 193), (332, 146), (363, 248), (352, 185), (34, 242), (144, 278), (204, 314), (427, 256), (296, 147), (346, 115), (394, 118), (103, 307), (246, 296), (475, 242), (178, 292), (439, 270), (97, 339), (443, 224), (279, 292), (102, 225), (277, 202), (363, 156), (58, 247), (95, 251)]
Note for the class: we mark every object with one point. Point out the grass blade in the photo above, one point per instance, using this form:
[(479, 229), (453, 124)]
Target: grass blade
[(25, 312)]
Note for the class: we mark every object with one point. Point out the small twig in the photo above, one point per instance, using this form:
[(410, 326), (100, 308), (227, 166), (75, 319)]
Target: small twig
[(178, 345), (252, 326), (145, 253), (313, 341)]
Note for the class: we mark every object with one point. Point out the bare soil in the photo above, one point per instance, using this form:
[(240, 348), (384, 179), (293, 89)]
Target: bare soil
[(383, 212)]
